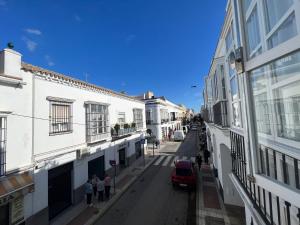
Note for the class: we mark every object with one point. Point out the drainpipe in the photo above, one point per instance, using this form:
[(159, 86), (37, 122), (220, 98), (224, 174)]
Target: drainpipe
[(33, 118)]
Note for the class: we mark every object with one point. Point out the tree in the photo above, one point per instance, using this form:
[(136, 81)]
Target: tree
[(117, 128)]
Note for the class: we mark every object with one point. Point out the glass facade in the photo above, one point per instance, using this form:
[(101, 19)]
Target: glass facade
[(97, 122), (253, 32), (276, 97)]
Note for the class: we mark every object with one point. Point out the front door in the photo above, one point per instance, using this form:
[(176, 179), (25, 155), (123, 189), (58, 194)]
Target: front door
[(138, 149), (59, 189), (122, 157), (4, 214), (96, 167)]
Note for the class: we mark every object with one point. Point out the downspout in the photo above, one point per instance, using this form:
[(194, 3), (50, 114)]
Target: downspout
[(33, 119)]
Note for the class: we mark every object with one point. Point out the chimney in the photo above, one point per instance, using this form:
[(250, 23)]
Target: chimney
[(10, 63), (149, 95)]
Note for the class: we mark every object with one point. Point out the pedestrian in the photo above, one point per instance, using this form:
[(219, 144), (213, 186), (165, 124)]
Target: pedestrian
[(88, 192), (100, 189), (94, 183), (107, 184), (206, 156), (157, 143), (199, 161)]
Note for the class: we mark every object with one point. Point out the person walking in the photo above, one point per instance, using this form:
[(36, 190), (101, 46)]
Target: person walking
[(107, 184), (88, 191), (199, 161), (100, 189), (94, 183), (206, 156)]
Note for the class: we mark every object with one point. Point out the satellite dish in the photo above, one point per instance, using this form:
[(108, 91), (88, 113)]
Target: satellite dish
[(232, 60)]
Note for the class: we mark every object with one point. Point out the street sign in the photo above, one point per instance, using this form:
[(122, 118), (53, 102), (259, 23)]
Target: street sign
[(112, 162)]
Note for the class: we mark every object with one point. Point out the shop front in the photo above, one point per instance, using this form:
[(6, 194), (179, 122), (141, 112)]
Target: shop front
[(12, 191)]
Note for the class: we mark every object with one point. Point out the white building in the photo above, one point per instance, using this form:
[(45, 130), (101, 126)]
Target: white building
[(55, 129), (162, 116), (252, 110)]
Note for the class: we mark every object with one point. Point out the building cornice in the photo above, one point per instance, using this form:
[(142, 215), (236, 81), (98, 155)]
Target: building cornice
[(54, 76)]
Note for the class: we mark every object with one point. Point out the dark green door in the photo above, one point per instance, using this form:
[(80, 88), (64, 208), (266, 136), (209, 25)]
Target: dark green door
[(96, 166), (122, 157)]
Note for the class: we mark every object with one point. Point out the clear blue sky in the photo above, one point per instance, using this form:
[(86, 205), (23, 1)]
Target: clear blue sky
[(132, 45)]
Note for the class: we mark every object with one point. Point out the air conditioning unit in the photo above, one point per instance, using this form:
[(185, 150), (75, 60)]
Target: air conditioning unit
[(82, 153)]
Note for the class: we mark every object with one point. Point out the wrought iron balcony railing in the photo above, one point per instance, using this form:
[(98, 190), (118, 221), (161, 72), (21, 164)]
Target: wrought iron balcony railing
[(272, 208)]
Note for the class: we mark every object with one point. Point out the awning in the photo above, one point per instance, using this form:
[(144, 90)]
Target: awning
[(20, 182)]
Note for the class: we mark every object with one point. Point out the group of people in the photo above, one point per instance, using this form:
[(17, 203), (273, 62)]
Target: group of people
[(97, 186)]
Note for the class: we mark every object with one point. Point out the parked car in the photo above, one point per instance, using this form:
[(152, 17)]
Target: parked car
[(179, 135), (184, 174)]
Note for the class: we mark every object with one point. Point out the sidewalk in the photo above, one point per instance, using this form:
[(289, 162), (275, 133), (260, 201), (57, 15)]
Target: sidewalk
[(210, 209), (80, 214)]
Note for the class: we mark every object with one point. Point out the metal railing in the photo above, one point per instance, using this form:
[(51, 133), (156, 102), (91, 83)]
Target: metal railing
[(220, 113), (149, 122), (123, 132), (272, 208)]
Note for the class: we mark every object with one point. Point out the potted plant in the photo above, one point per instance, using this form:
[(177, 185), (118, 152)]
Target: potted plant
[(126, 126), (133, 125), (117, 128)]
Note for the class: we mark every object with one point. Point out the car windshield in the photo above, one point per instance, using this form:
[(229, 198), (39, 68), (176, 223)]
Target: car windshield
[(183, 172)]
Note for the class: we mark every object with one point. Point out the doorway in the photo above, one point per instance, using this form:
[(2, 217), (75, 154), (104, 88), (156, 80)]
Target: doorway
[(96, 166), (122, 157), (59, 189)]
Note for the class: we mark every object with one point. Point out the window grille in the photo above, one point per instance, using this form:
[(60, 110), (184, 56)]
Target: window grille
[(60, 117)]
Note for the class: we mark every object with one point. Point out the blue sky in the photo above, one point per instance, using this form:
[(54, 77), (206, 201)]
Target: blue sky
[(125, 45)]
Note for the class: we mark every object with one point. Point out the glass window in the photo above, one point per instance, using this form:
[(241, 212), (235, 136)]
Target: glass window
[(275, 9), (60, 117), (286, 31), (234, 88), (229, 38), (97, 122), (138, 118), (276, 96), (121, 119), (253, 33), (236, 114), (246, 4)]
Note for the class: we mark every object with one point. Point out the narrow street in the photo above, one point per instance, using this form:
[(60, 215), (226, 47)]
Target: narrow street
[(152, 199)]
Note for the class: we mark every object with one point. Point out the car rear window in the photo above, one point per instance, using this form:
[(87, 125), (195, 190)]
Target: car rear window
[(183, 172)]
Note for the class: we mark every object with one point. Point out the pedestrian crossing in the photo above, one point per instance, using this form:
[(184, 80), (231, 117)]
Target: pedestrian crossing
[(168, 160)]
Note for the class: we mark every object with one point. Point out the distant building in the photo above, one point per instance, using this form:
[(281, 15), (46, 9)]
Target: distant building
[(252, 110), (162, 116), (55, 133)]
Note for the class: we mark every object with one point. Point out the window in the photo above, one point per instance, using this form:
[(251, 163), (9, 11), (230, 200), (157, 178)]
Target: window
[(280, 21), (121, 119), (246, 5), (276, 95), (253, 33), (3, 130), (60, 117), (97, 122), (286, 31), (138, 118), (275, 10), (229, 38), (149, 119)]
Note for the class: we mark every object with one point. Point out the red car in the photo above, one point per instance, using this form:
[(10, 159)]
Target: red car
[(184, 174)]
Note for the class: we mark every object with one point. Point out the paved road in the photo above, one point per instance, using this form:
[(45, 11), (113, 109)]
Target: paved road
[(151, 200)]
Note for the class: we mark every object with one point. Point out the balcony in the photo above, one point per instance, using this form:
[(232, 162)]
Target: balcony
[(122, 132), (272, 209), (149, 122), (220, 114), (164, 121), (94, 137)]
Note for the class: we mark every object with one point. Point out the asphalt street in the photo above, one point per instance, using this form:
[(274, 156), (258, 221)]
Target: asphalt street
[(152, 200)]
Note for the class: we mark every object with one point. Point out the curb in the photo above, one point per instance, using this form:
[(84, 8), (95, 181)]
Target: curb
[(118, 195)]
